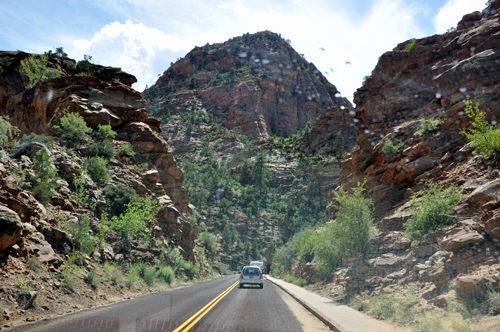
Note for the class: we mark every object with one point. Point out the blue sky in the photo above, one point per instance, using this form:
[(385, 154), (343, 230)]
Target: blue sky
[(143, 36)]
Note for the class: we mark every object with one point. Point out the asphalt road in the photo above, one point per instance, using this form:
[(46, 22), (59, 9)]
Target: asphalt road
[(240, 310)]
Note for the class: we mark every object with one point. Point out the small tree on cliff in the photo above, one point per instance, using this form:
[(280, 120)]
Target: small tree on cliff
[(485, 138), (45, 178), (71, 127), (261, 172), (7, 133), (35, 67), (137, 220)]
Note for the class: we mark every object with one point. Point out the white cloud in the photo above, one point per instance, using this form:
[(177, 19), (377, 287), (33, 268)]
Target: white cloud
[(311, 25), (453, 11), (136, 48)]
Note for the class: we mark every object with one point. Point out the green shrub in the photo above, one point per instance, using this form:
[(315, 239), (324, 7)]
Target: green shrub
[(431, 209), (134, 274), (119, 196), (141, 167), (190, 268), (35, 67), (472, 66), (428, 125), (34, 263), (3, 155), (80, 230), (113, 271), (126, 149), (45, 178), (71, 273), (71, 127), (411, 45), (149, 275), (105, 132), (402, 308), (97, 168), (351, 230), (103, 148), (138, 219), (80, 181), (208, 240), (20, 175), (390, 149), (494, 303), (177, 259), (166, 274), (92, 278), (7, 133), (484, 138), (86, 67)]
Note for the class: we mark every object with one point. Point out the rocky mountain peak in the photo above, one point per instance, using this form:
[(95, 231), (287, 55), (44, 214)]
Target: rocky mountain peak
[(257, 82)]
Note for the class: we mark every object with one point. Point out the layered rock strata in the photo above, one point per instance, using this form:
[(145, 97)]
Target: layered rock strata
[(419, 80), (256, 82), (103, 100)]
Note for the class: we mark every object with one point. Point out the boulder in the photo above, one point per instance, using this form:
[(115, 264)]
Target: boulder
[(471, 287), (478, 198), (461, 239), (11, 227), (492, 226), (392, 223)]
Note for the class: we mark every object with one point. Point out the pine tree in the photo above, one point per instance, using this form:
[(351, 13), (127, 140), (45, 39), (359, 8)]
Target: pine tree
[(261, 172), (245, 172), (45, 179), (35, 67)]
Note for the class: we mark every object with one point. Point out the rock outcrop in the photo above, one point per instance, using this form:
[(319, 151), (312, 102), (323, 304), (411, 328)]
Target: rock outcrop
[(101, 99), (414, 83), (256, 82), (419, 80)]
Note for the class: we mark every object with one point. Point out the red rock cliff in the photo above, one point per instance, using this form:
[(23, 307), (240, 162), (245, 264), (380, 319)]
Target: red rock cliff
[(428, 79), (102, 99), (256, 82)]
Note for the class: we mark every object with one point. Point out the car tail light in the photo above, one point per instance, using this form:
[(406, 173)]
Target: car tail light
[(260, 276)]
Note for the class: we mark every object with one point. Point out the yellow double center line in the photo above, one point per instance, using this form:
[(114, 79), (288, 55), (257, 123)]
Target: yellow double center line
[(199, 315)]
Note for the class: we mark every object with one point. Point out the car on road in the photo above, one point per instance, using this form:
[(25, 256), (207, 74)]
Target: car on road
[(251, 275), (259, 264)]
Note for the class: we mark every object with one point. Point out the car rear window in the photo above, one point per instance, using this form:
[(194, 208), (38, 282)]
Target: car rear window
[(251, 270)]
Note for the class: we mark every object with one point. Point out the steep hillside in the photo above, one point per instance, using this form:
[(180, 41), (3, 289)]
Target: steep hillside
[(256, 82), (438, 250), (228, 108), (424, 80), (91, 197)]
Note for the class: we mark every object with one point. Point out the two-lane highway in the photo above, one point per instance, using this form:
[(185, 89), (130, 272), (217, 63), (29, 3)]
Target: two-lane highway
[(215, 305)]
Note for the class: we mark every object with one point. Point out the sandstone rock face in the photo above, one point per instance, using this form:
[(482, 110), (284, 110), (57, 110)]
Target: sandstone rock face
[(430, 81), (105, 98), (255, 82), (461, 239)]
